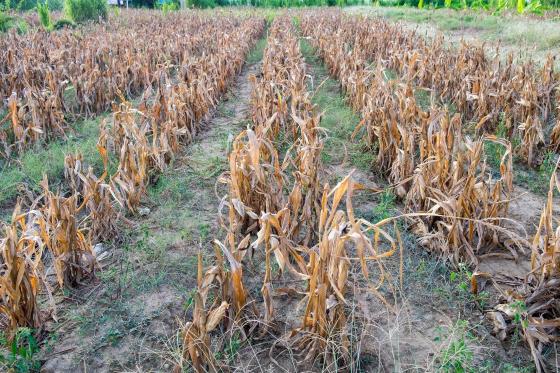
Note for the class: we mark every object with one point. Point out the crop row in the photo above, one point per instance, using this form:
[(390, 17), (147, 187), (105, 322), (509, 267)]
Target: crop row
[(456, 203), (49, 79), (278, 209), (59, 228), (488, 92)]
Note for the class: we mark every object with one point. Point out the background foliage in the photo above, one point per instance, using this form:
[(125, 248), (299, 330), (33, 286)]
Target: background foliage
[(85, 10)]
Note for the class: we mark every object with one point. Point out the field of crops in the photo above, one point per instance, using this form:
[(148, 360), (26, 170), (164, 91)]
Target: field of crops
[(291, 190)]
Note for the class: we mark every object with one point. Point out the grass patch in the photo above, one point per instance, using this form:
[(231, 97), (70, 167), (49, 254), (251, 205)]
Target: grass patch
[(338, 118), (445, 20), (256, 53), (170, 188), (516, 31), (456, 353), (540, 34), (537, 181), (29, 167)]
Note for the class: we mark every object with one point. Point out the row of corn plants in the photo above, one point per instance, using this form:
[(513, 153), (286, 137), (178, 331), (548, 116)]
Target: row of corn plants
[(485, 90), (435, 168), (59, 228), (457, 205), (146, 138), (278, 209), (541, 320), (47, 80)]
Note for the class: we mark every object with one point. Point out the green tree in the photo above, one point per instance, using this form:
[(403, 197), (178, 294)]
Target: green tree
[(44, 15), (81, 11)]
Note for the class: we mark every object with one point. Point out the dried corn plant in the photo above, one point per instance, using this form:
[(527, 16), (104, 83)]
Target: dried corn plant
[(81, 74), (281, 87), (38, 117), (254, 160), (456, 203), (323, 268), (305, 157), (342, 238), (436, 169), (147, 138), (21, 271), (555, 137), (206, 317), (484, 90), (100, 202), (534, 309), (546, 242), (229, 306), (128, 138), (469, 206), (62, 234), (255, 181)]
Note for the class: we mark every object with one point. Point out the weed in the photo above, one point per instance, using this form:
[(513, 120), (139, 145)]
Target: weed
[(50, 342), (34, 163), (462, 283), (143, 244), (385, 206), (456, 355), (256, 54), (170, 189), (233, 347), (495, 151), (113, 336), (495, 365), (548, 166), (19, 355), (203, 231), (519, 320), (537, 180), (189, 302), (363, 160)]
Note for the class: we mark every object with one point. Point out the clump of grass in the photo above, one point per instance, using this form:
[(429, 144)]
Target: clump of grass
[(19, 354), (537, 180), (456, 353), (385, 206), (29, 168), (463, 281), (540, 34), (495, 151)]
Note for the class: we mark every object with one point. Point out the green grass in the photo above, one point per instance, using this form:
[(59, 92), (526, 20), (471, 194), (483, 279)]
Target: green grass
[(338, 118), (256, 53), (445, 20), (169, 188), (536, 180), (456, 353), (541, 34), (520, 32), (29, 167), (20, 354)]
